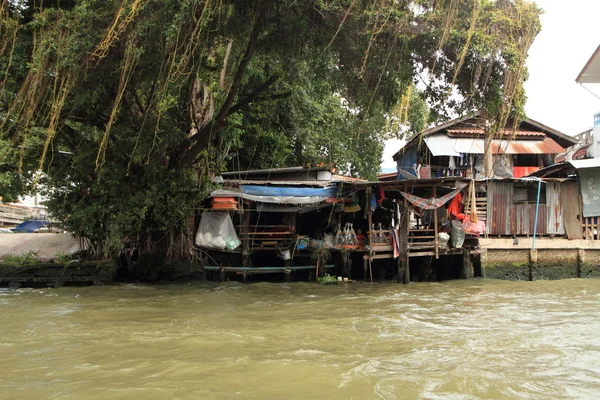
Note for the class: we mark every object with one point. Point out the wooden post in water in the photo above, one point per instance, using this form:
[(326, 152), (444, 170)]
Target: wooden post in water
[(370, 242), (246, 259), (403, 260), (287, 269), (435, 226), (467, 268)]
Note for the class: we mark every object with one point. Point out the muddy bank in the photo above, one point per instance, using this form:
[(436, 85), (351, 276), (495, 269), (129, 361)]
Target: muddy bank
[(54, 274)]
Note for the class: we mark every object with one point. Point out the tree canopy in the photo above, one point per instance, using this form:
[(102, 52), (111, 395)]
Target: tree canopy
[(129, 107)]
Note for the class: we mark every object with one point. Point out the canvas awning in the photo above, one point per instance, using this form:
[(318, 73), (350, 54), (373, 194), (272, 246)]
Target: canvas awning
[(270, 199)]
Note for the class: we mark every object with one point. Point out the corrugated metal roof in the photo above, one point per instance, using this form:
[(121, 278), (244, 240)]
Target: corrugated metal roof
[(451, 179), (546, 146), (503, 132), (559, 137), (238, 182), (343, 178), (442, 145), (274, 171), (388, 176)]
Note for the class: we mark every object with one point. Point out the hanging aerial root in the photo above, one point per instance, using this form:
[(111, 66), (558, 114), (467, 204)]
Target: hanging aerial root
[(122, 19), (57, 105), (129, 64), (448, 18), (470, 32)]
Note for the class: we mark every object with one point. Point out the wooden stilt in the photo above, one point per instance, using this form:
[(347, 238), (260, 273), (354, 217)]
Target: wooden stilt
[(403, 261), (246, 258), (435, 225), (467, 267), (370, 243), (287, 271)]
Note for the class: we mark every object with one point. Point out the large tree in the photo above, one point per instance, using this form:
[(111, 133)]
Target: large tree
[(128, 107)]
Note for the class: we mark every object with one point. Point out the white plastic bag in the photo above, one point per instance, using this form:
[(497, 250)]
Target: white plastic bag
[(443, 239), (328, 241), (216, 231)]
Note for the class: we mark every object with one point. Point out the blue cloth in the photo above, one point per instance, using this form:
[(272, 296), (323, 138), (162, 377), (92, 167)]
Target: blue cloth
[(406, 163), (284, 191)]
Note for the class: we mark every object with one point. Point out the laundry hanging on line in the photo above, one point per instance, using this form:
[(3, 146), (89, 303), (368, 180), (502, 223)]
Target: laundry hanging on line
[(431, 204)]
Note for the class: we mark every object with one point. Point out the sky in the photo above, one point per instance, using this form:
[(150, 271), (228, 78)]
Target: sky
[(570, 34)]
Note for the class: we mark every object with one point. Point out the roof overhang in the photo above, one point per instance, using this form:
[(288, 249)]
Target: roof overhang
[(591, 72), (587, 163)]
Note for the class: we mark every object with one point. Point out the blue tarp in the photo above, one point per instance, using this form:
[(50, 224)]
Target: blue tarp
[(286, 191), (29, 226), (406, 163)]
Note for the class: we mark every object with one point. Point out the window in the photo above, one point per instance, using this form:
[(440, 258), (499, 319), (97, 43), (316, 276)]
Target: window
[(527, 194)]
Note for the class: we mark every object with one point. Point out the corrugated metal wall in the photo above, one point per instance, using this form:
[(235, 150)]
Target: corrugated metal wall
[(522, 218), (500, 198), (506, 218)]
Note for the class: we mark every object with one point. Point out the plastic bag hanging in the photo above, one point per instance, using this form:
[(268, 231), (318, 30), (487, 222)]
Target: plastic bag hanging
[(216, 231), (339, 238)]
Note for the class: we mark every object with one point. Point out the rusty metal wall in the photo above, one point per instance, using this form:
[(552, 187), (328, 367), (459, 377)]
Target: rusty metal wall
[(554, 209), (506, 218), (522, 219), (500, 198)]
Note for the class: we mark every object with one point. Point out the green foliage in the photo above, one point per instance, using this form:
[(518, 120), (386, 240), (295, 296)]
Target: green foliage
[(22, 260), (321, 254), (130, 107), (327, 280), (63, 258)]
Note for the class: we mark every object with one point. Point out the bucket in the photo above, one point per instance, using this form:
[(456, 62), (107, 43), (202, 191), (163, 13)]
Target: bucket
[(286, 255)]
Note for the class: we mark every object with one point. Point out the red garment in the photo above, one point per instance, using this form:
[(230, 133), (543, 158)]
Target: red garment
[(381, 194), (362, 239), (456, 206)]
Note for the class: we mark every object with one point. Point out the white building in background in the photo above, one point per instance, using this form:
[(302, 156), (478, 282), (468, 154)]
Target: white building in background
[(590, 74)]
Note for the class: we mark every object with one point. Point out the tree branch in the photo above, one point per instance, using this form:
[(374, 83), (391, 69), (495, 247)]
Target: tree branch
[(253, 95), (203, 137)]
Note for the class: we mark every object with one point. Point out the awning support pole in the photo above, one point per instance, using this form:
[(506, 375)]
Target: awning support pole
[(537, 208)]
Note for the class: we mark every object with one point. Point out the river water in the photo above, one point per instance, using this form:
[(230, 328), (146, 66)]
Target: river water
[(452, 340)]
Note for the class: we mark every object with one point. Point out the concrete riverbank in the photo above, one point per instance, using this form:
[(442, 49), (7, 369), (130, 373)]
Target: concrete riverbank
[(550, 259)]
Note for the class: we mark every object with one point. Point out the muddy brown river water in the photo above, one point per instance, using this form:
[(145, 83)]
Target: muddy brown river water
[(452, 340)]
